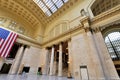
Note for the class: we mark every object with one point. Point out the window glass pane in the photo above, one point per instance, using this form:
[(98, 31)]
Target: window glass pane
[(40, 4), (59, 4), (114, 36), (65, 1), (53, 9), (113, 44), (44, 9), (50, 6), (48, 13), (54, 1), (106, 39), (48, 3)]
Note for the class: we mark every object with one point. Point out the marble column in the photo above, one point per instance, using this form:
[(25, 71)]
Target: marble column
[(52, 61), (46, 69), (107, 63), (60, 61), (20, 68), (55, 68), (22, 63), (55, 63), (16, 64), (1, 62), (69, 59)]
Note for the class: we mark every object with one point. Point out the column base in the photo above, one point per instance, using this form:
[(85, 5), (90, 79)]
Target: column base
[(69, 75), (51, 74), (60, 75)]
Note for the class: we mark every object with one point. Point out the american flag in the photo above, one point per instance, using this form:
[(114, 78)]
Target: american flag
[(7, 39)]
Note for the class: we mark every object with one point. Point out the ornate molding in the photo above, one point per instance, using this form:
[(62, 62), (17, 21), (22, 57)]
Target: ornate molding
[(38, 13), (105, 15), (87, 29), (96, 29), (63, 37), (14, 26), (28, 41), (14, 7), (86, 23)]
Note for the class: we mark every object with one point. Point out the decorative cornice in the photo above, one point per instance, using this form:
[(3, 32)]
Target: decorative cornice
[(22, 3), (105, 15), (110, 28), (87, 29), (96, 29), (15, 8), (68, 33), (30, 40), (85, 26), (40, 15)]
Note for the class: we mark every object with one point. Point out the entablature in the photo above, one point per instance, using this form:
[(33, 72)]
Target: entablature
[(106, 17)]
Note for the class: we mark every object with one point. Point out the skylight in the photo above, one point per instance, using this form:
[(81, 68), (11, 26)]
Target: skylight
[(50, 6)]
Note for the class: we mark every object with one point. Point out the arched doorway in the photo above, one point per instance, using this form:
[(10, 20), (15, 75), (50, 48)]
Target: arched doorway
[(112, 39)]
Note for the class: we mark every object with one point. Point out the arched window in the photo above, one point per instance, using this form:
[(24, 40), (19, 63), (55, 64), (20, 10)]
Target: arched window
[(100, 6), (112, 41)]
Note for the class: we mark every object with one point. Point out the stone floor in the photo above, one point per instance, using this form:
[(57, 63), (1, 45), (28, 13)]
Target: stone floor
[(31, 77)]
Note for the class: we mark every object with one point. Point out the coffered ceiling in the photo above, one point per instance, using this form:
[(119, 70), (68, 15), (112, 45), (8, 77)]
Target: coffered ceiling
[(31, 12)]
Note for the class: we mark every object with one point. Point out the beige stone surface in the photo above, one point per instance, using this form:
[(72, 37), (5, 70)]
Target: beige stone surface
[(86, 47), (1, 62), (109, 67), (32, 59), (83, 55)]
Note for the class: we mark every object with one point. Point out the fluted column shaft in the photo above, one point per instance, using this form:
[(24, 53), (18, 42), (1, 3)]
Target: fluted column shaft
[(60, 61), (69, 59), (45, 69), (17, 61), (52, 61), (22, 63)]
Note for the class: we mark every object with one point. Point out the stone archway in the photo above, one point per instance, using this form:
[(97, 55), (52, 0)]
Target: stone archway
[(111, 36)]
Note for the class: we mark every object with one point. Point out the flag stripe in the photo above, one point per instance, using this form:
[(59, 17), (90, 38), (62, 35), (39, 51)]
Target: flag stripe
[(7, 45), (7, 39), (13, 40), (1, 49)]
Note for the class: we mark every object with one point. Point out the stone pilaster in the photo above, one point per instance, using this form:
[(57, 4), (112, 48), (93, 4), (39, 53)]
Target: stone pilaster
[(97, 73), (94, 65), (107, 63)]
